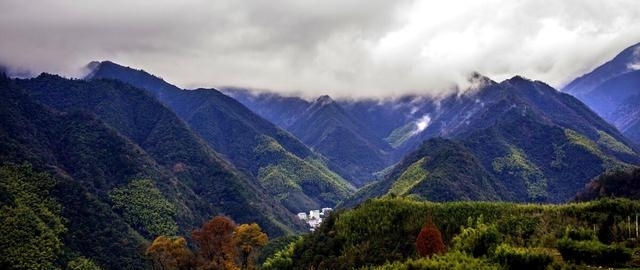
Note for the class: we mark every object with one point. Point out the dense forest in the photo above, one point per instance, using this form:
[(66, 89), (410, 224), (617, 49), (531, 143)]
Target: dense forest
[(401, 233)]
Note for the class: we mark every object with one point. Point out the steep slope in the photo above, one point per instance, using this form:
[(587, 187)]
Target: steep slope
[(612, 91), (626, 118), (146, 122), (350, 146), (270, 155), (533, 142), (439, 170), (357, 136), (88, 159), (620, 64)]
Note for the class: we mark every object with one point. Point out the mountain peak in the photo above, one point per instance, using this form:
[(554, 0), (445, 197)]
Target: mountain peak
[(325, 100), (518, 79)]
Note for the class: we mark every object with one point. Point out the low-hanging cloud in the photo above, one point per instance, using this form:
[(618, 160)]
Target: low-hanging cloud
[(337, 47)]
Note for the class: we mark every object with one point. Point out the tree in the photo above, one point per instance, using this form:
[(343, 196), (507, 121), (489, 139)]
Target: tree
[(82, 263), (215, 244), (247, 238), (168, 253), (429, 241), (30, 220)]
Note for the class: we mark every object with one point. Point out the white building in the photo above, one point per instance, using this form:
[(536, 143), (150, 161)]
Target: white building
[(314, 219), (314, 223), (314, 214)]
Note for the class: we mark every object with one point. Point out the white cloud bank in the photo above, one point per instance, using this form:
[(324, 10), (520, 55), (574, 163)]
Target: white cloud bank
[(335, 47)]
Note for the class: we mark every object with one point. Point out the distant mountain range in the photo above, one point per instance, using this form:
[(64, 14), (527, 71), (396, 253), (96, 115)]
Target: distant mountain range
[(527, 124), (613, 91), (518, 140)]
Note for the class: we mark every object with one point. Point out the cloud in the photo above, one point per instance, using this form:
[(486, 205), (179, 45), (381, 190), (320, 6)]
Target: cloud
[(422, 124), (337, 47)]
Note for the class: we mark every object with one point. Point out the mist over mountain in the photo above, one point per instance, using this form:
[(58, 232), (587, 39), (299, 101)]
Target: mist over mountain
[(518, 140), (518, 133)]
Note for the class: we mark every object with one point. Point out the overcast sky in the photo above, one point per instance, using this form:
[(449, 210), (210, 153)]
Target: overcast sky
[(336, 47)]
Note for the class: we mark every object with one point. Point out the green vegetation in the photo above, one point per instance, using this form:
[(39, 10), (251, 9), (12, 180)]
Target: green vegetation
[(381, 234), (584, 142), (31, 222), (452, 260), (611, 143), (518, 165), (82, 263), (409, 178), (516, 258), (299, 184), (145, 208), (400, 135)]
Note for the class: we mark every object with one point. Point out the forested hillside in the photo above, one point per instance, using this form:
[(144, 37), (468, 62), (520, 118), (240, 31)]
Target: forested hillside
[(402, 234), (113, 179)]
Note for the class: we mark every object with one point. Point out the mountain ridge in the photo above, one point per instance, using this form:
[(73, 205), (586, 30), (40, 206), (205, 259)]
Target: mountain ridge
[(252, 144)]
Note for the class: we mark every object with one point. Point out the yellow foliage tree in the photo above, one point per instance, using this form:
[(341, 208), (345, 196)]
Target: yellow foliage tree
[(168, 253), (248, 238)]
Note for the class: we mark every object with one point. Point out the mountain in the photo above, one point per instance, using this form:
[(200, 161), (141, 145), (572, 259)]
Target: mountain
[(358, 137), (275, 160), (619, 65), (627, 118), (531, 142), (349, 146), (439, 170), (138, 116), (612, 90), (87, 159)]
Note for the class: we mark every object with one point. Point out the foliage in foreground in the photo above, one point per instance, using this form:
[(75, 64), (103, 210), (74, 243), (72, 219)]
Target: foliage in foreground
[(383, 232), (452, 260)]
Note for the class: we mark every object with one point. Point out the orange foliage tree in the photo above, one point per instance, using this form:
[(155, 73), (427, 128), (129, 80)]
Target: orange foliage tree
[(215, 244), (169, 253), (247, 238), (429, 240)]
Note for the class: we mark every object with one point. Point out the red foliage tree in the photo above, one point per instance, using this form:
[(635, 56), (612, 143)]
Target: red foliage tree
[(429, 240)]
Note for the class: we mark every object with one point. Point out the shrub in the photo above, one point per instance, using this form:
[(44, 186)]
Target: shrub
[(593, 252), (523, 258), (580, 234), (452, 260), (479, 240)]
